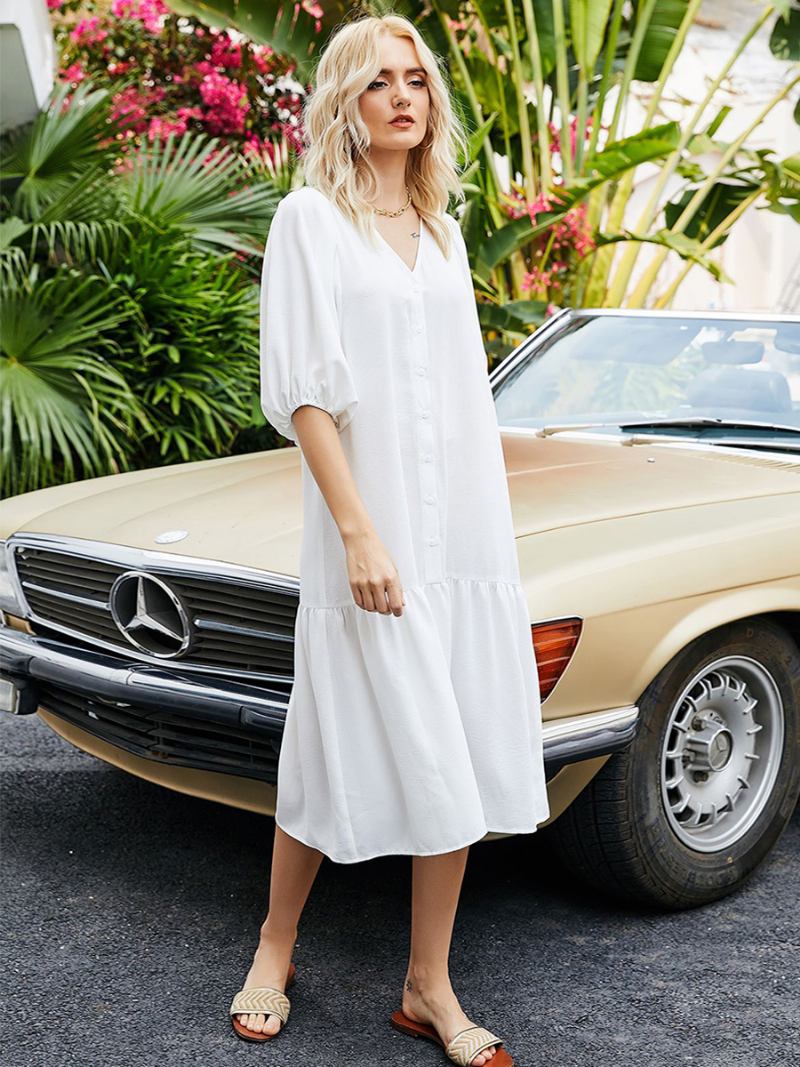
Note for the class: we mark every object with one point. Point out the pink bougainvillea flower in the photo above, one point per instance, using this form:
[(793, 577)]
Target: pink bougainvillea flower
[(151, 13), (226, 104), (86, 31), (119, 67), (312, 8), (74, 73), (225, 53)]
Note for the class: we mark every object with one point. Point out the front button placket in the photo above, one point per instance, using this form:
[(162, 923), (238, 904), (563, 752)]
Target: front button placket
[(431, 531)]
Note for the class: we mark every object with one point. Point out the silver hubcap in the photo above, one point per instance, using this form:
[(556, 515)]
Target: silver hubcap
[(721, 752)]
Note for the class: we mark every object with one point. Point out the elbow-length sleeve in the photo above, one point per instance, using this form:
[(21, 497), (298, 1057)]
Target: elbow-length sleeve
[(302, 358)]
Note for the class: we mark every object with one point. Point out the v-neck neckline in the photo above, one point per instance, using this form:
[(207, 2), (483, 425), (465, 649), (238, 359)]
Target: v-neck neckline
[(396, 254)]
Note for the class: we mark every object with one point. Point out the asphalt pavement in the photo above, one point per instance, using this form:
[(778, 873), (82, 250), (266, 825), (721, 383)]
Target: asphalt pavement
[(130, 915)]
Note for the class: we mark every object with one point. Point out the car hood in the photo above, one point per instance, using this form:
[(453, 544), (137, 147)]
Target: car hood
[(248, 509), (557, 481)]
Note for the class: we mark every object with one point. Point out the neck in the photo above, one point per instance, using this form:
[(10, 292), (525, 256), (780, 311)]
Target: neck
[(390, 177)]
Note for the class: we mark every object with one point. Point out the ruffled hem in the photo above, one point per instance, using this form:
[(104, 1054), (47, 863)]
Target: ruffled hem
[(471, 840), (413, 734), (450, 581)]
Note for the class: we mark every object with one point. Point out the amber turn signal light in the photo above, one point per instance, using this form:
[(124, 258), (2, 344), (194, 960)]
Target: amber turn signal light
[(554, 644)]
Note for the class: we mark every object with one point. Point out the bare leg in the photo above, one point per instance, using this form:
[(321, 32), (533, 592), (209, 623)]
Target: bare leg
[(294, 868), (428, 996)]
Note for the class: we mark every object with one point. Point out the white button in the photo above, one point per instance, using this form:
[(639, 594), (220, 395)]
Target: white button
[(421, 371), (430, 499), (417, 329), (433, 540), (427, 458), (425, 414)]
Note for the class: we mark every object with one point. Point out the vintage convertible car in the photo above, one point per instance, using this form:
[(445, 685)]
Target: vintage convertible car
[(654, 467)]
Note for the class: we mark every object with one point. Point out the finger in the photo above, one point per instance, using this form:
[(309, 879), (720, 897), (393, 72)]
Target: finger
[(379, 593), (395, 597), (369, 602)]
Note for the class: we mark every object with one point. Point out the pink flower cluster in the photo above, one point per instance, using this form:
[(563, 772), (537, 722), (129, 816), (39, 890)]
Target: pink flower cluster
[(555, 133), (226, 102), (224, 53), (312, 8), (201, 78), (129, 109), (86, 32), (562, 242), (73, 73), (150, 13)]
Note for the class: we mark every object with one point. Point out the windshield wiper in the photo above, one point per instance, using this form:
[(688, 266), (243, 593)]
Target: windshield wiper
[(695, 421), (690, 422), (563, 427)]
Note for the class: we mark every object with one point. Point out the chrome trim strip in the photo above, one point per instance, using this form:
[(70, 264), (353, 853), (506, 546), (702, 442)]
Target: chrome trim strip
[(101, 605), (85, 671), (125, 555)]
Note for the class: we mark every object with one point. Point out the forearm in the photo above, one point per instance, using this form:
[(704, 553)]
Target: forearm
[(319, 440)]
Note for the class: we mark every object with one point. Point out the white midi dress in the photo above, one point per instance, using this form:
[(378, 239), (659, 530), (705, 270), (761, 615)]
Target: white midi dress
[(412, 734)]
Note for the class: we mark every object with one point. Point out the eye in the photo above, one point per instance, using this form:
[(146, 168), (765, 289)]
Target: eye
[(373, 84), (419, 82)]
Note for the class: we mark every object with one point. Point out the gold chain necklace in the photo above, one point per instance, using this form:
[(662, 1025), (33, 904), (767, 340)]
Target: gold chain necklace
[(394, 214)]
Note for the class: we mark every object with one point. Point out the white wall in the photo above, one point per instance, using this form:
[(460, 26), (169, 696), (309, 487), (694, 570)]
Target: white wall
[(27, 60)]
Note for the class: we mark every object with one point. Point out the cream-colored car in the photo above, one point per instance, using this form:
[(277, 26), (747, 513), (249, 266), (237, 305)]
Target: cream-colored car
[(148, 616)]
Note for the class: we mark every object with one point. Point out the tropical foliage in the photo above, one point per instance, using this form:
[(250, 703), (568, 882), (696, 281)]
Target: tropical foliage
[(129, 332)]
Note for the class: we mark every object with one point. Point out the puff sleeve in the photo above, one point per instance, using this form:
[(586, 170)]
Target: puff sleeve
[(302, 359)]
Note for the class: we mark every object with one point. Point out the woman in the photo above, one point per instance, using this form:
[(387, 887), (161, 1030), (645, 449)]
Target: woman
[(414, 721)]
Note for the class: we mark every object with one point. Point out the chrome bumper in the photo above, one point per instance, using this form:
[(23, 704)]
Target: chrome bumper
[(163, 701)]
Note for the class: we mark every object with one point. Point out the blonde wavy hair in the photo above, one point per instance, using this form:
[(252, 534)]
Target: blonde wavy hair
[(336, 142)]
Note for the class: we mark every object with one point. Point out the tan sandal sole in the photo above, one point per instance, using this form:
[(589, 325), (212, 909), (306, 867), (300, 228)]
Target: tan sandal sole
[(404, 1025)]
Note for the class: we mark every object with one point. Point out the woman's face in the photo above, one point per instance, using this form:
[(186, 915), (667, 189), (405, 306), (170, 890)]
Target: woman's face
[(399, 88)]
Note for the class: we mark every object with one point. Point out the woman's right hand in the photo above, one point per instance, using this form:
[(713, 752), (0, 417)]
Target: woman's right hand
[(374, 580)]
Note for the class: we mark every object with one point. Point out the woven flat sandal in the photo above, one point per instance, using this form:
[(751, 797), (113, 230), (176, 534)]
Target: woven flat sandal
[(463, 1048), (265, 999)]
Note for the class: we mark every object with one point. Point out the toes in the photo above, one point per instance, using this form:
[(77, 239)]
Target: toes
[(260, 1023), (484, 1056), (272, 1025)]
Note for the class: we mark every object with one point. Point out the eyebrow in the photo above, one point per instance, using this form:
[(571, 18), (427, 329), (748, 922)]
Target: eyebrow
[(411, 70)]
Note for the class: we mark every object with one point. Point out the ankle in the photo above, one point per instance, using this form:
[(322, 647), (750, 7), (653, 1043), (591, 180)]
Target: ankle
[(423, 979), (277, 933)]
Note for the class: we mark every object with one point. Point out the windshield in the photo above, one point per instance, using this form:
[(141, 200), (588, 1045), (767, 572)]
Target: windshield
[(618, 369)]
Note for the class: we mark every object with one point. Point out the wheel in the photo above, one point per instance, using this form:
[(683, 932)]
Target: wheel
[(687, 812)]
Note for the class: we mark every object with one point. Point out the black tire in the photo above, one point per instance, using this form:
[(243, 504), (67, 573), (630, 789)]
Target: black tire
[(616, 835)]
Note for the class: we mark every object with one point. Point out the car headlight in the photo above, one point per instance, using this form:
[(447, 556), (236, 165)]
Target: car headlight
[(9, 601)]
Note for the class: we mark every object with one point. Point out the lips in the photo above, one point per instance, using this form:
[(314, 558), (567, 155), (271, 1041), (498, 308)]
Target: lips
[(402, 122)]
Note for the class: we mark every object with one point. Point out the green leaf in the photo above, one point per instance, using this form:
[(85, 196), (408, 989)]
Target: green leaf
[(686, 247), (588, 21), (662, 29), (517, 316), (784, 41)]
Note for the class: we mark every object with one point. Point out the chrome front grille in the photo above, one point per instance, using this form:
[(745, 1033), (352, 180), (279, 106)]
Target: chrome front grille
[(242, 620)]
